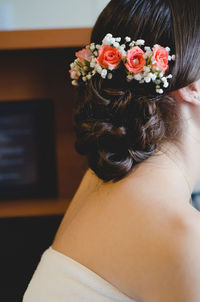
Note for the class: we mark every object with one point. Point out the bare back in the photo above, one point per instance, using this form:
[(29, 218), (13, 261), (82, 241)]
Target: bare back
[(118, 237)]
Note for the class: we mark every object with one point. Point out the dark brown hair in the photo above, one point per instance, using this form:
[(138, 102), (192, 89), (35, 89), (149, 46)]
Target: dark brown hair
[(118, 123)]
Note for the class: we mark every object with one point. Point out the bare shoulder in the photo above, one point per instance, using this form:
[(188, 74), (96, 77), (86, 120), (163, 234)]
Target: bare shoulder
[(164, 263), (177, 275)]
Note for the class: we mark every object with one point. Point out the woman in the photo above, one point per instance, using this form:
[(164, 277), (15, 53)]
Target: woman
[(130, 232)]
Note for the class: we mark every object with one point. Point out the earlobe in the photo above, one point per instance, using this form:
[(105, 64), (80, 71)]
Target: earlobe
[(189, 94)]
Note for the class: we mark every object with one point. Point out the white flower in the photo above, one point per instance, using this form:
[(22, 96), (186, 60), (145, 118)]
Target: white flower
[(92, 64), (166, 84), (173, 57), (85, 68), (75, 83), (167, 49), (118, 39), (169, 76), (73, 74), (104, 73), (89, 76), (116, 44), (92, 46), (141, 82), (96, 53), (110, 76), (159, 91), (127, 39), (138, 77), (98, 46), (147, 69), (140, 42), (123, 46), (147, 79), (111, 67), (130, 77), (98, 68), (107, 41), (147, 48), (156, 45), (169, 58), (153, 76), (72, 65), (84, 79), (109, 35), (112, 41), (122, 51), (132, 44), (164, 79)]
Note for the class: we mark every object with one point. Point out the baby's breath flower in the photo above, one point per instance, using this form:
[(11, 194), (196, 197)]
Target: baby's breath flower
[(140, 42), (166, 84), (75, 83), (173, 57), (169, 76), (104, 73), (160, 91), (138, 77), (147, 79), (92, 46), (110, 76), (116, 44), (92, 64), (127, 39), (130, 77), (89, 76)]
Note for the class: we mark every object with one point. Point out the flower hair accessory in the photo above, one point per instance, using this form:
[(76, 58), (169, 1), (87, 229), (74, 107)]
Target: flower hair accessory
[(142, 63)]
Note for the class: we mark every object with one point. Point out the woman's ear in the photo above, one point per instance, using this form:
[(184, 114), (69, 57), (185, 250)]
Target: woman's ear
[(190, 93)]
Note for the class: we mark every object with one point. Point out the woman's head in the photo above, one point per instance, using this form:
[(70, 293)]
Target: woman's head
[(120, 124)]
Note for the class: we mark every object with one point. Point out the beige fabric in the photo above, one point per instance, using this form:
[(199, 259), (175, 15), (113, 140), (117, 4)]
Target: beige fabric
[(59, 278)]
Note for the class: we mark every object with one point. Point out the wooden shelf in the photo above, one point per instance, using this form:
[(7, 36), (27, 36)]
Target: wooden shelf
[(44, 38), (34, 207)]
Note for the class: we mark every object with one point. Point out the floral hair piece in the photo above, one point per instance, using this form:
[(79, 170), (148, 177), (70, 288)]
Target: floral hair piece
[(141, 65)]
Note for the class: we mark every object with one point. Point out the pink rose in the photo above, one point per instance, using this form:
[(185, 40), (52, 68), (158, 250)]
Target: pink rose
[(135, 60), (84, 55), (161, 58), (109, 57), (74, 74)]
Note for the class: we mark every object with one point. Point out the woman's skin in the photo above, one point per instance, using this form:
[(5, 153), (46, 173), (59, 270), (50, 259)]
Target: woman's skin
[(128, 232)]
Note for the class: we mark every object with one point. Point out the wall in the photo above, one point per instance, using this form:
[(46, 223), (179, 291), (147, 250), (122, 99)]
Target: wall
[(28, 14)]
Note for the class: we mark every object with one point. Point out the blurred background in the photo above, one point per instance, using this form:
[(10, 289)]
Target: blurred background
[(39, 168)]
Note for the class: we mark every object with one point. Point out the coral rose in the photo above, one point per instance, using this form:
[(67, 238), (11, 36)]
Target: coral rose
[(109, 57), (84, 55), (160, 58), (135, 60), (74, 74)]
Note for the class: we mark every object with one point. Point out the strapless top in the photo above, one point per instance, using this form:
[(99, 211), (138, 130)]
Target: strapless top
[(59, 278)]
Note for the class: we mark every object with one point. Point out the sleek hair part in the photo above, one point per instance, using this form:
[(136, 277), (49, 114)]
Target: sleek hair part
[(119, 124)]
